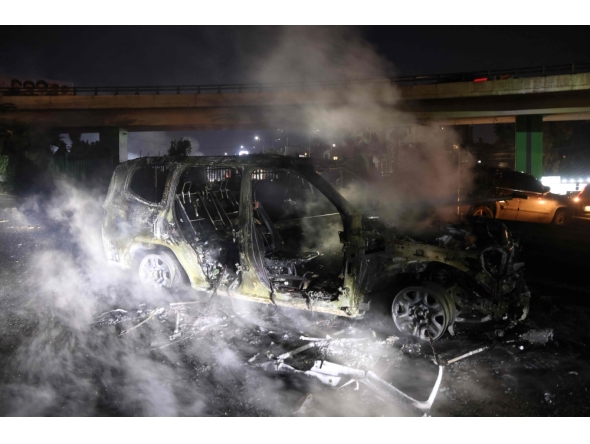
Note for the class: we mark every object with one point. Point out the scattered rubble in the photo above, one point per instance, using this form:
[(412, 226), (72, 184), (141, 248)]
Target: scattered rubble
[(540, 337), (352, 357)]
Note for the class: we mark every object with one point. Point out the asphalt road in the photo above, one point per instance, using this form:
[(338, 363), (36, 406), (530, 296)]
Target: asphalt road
[(68, 345)]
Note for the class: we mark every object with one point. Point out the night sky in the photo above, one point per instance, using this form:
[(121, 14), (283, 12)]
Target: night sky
[(109, 56)]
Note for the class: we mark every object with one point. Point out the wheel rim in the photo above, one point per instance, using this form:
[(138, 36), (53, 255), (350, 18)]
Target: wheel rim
[(481, 212), (420, 311), (155, 271), (560, 219)]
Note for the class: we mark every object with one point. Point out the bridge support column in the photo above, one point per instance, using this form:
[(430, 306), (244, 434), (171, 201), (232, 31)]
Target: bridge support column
[(116, 141), (529, 145)]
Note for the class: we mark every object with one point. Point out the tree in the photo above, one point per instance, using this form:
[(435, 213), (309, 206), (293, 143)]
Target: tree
[(366, 137), (28, 155), (5, 130), (505, 132), (365, 142), (180, 148)]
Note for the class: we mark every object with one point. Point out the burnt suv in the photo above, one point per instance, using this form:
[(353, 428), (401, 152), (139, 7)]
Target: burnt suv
[(511, 195), (270, 229)]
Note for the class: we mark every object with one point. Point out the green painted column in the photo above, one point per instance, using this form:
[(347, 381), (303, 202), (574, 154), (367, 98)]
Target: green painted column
[(529, 145)]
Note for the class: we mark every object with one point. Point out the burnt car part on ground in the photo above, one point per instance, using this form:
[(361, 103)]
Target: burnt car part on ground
[(342, 358), (269, 229), (313, 360)]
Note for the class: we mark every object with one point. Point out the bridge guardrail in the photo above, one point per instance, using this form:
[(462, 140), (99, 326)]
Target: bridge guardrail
[(474, 76)]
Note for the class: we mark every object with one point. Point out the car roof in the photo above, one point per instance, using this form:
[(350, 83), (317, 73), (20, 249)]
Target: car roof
[(502, 169), (256, 160)]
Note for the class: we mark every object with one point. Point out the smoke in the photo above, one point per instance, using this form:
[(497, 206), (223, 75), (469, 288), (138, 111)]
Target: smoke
[(424, 164), (61, 361), (316, 54), (63, 352), (422, 193)]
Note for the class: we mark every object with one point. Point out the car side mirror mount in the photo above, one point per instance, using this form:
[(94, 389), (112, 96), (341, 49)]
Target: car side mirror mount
[(546, 189)]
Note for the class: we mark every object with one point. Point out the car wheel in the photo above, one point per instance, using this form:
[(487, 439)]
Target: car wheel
[(160, 269), (561, 217), (483, 211), (424, 311)]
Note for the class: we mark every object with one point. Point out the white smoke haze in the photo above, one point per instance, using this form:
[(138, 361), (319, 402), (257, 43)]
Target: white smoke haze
[(66, 364), (316, 54), (421, 194), (427, 175)]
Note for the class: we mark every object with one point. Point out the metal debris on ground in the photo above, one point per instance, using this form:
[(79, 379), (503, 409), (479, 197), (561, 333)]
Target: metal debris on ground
[(466, 355), (336, 375), (331, 359), (538, 336), (151, 315), (303, 405)]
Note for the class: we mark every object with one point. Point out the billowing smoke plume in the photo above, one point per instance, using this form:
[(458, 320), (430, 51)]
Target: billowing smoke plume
[(63, 358), (427, 173), (67, 352)]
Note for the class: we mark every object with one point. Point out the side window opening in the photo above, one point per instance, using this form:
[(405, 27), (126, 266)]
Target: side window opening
[(148, 182), (207, 206), (509, 180), (295, 233), (529, 183), (210, 197)]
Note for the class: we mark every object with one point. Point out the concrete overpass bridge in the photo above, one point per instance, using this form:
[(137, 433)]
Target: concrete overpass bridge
[(527, 97)]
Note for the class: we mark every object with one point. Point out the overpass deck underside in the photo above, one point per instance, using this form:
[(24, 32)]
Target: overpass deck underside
[(564, 97)]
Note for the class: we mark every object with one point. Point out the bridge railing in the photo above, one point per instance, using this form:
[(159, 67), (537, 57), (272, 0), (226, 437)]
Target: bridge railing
[(474, 76)]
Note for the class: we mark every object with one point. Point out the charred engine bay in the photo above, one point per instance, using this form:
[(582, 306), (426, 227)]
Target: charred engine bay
[(75, 342)]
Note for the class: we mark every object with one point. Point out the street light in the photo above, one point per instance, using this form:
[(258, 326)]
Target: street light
[(259, 139)]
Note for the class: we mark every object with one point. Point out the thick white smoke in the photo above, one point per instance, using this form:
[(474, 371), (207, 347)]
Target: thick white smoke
[(64, 363), (427, 176)]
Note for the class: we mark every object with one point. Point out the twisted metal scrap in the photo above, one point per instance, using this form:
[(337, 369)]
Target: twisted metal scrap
[(336, 375)]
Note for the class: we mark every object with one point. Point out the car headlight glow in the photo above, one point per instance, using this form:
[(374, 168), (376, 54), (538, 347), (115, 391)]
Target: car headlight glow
[(587, 208)]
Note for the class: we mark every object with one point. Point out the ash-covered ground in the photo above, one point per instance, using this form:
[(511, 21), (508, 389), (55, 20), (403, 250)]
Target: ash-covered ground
[(78, 338)]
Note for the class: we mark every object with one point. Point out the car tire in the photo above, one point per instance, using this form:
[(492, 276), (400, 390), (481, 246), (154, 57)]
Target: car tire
[(561, 217), (160, 269), (483, 211), (425, 311)]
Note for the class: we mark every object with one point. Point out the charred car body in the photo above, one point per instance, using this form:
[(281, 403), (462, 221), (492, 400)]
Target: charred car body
[(270, 229)]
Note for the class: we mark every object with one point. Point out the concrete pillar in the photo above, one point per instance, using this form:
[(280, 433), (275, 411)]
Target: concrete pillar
[(116, 140), (529, 145)]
